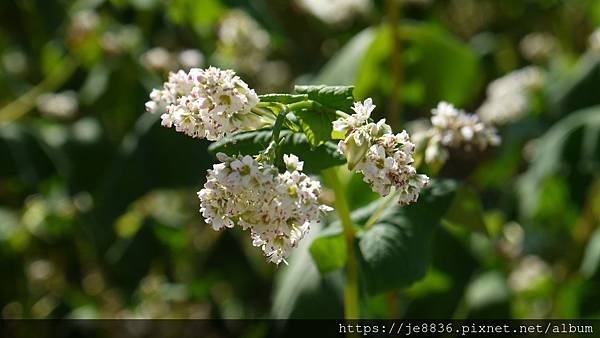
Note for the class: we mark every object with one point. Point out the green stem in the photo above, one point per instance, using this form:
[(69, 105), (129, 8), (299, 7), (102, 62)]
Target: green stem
[(278, 125), (380, 209), (307, 104), (351, 295)]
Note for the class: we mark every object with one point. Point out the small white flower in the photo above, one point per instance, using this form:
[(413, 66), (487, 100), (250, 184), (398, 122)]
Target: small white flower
[(277, 208), (384, 159), (508, 98), (454, 128), (205, 103)]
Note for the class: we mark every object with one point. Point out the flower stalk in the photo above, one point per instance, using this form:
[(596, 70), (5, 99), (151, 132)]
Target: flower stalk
[(351, 295)]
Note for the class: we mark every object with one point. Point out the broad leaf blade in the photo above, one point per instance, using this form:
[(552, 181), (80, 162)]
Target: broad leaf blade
[(396, 251), (328, 250), (335, 97), (316, 126)]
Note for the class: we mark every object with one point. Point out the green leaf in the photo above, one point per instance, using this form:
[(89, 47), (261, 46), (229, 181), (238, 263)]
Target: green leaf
[(198, 14), (328, 250), (283, 98), (302, 292), (341, 68), (335, 97), (437, 66), (466, 210), (576, 90), (316, 126), (397, 249), (251, 143), (569, 151), (487, 289)]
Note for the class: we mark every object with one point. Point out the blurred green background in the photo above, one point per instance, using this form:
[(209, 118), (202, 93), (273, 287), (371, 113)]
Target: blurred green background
[(98, 212)]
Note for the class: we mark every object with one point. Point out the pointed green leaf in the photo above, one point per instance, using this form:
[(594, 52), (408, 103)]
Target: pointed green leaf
[(334, 97), (396, 250)]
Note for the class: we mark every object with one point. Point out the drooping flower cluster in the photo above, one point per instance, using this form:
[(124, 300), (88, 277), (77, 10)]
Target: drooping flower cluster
[(454, 128), (384, 159), (276, 207), (206, 103), (508, 98)]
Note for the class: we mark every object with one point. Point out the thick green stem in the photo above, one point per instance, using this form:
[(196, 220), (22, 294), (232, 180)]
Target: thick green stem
[(379, 211), (351, 296)]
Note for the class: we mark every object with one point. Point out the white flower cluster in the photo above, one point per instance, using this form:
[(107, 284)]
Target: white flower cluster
[(384, 159), (276, 207), (244, 40), (508, 98), (454, 128), (335, 11), (206, 103)]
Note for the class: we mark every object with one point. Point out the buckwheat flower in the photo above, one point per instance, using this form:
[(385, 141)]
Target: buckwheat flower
[(455, 129), (243, 40), (509, 97), (277, 208), (206, 103), (362, 113), (335, 11), (384, 159)]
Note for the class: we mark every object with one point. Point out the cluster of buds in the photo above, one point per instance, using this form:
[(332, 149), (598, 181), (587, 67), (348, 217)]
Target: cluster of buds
[(384, 159), (277, 208), (206, 103), (508, 98), (454, 128)]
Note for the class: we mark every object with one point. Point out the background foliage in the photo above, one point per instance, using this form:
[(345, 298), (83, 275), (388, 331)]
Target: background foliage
[(98, 213)]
